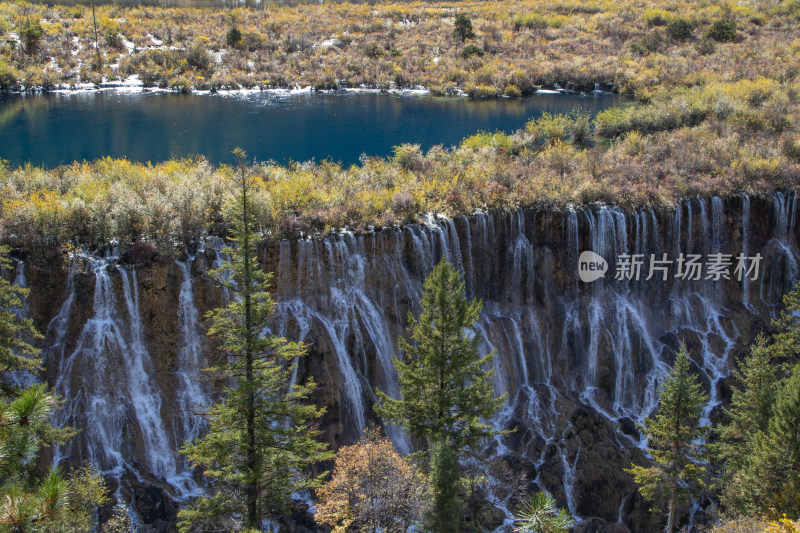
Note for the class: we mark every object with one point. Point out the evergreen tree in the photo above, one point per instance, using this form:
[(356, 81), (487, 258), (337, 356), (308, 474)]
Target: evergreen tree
[(751, 409), (462, 28), (776, 454), (540, 515), (260, 436), (445, 387), (758, 445), (675, 441)]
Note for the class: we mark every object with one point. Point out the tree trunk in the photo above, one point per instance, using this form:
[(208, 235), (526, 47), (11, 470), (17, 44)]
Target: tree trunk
[(671, 516)]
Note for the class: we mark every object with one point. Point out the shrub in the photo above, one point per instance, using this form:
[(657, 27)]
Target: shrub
[(30, 33), (705, 47), (656, 17), (722, 30), (8, 77), (374, 50), (512, 91), (233, 37), (650, 43), (113, 38), (472, 50), (679, 29), (409, 157), (531, 21), (198, 57)]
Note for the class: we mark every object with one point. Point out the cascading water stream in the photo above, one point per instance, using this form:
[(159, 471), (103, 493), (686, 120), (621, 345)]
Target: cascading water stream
[(564, 346)]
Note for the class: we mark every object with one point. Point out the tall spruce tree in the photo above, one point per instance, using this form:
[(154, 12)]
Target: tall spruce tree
[(752, 403), (261, 435), (445, 386), (760, 443), (675, 442), (775, 460)]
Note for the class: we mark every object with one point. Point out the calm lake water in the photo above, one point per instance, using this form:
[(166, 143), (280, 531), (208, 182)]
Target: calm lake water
[(54, 129)]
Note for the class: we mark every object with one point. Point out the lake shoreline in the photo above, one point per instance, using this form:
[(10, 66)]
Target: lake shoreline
[(133, 84)]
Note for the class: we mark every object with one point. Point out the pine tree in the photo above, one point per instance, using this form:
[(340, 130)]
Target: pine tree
[(462, 28), (758, 445), (675, 441), (750, 412), (774, 463), (260, 438), (445, 387), (540, 515)]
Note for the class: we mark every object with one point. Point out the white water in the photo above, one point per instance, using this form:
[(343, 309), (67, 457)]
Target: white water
[(560, 343)]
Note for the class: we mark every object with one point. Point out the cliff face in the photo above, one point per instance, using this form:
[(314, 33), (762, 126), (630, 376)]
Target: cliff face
[(581, 362)]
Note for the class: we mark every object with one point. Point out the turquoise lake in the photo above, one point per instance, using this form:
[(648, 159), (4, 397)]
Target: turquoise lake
[(54, 129)]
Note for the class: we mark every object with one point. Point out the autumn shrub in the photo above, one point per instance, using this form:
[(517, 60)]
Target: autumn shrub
[(8, 77), (372, 488), (656, 17), (531, 21)]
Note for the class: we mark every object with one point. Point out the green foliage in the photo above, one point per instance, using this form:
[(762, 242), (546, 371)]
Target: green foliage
[(447, 508), (651, 42), (233, 37), (497, 140), (462, 28), (8, 77), (540, 515), (30, 500), (551, 128), (761, 444), (751, 409), (722, 30), (776, 455), (657, 17), (261, 436), (30, 33), (675, 442), (446, 389), (680, 29), (15, 352), (374, 50), (531, 21), (198, 57), (472, 50)]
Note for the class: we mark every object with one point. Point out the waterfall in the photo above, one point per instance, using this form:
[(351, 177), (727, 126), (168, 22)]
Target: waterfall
[(564, 347)]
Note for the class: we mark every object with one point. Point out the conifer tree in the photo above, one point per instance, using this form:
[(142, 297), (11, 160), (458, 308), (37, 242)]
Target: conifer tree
[(775, 463), (759, 447), (261, 436), (445, 386), (750, 412), (675, 442)]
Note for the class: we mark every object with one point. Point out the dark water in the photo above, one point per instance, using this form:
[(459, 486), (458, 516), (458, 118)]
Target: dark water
[(54, 129)]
